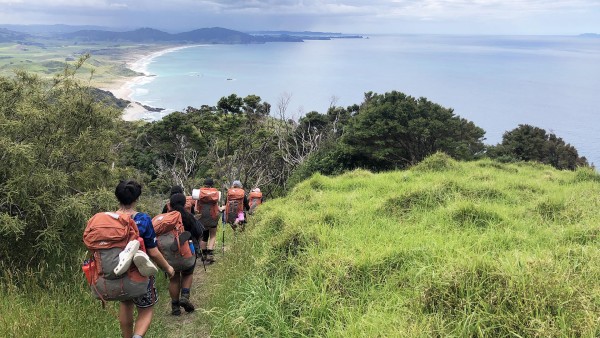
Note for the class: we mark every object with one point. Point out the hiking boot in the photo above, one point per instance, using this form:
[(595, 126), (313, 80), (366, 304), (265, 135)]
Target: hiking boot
[(202, 255), (182, 238), (126, 257), (144, 264), (175, 310), (210, 257), (184, 302)]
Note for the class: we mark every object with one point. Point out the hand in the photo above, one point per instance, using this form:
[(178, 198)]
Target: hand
[(170, 272)]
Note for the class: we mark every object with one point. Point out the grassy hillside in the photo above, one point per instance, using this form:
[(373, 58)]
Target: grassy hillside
[(443, 249)]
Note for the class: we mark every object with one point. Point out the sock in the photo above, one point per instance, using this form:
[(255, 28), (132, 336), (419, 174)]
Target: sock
[(137, 336), (210, 252), (185, 291)]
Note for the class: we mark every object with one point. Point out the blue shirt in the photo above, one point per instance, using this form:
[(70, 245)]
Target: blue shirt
[(144, 224)]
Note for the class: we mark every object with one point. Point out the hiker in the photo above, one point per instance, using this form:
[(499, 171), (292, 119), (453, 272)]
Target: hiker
[(207, 211), (180, 284), (189, 202), (128, 192), (236, 206), (255, 198)]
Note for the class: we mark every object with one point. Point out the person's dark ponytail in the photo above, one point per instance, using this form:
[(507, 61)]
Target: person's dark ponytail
[(128, 192), (177, 202)]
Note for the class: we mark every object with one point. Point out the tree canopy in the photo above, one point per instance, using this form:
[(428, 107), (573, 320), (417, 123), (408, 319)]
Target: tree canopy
[(529, 143)]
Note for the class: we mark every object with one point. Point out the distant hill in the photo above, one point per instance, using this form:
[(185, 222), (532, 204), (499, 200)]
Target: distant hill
[(213, 35), (305, 35), (11, 36), (589, 35), (45, 30), (203, 35), (138, 35)]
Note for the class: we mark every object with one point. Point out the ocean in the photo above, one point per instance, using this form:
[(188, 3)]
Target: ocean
[(498, 82)]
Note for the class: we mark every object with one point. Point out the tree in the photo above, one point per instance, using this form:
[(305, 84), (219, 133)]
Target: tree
[(529, 143), (56, 146), (395, 130)]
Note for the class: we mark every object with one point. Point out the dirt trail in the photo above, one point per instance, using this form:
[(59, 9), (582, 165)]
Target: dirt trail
[(189, 324)]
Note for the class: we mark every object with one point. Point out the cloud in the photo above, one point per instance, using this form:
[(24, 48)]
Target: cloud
[(383, 15)]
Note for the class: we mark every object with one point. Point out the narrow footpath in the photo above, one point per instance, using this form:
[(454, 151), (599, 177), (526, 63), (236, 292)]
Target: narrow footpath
[(189, 324)]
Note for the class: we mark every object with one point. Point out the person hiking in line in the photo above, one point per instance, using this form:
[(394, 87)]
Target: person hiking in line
[(208, 212), (180, 284), (128, 192), (236, 206), (189, 202), (255, 198)]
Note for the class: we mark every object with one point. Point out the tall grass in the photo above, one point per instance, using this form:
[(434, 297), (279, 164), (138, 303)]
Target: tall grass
[(444, 249), (54, 300), (37, 303)]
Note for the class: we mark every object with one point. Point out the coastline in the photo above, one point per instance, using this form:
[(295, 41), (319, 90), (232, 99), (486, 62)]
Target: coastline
[(122, 88)]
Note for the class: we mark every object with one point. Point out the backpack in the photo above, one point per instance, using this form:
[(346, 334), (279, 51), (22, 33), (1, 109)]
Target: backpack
[(189, 203), (207, 208), (168, 227), (235, 204), (106, 235), (255, 199)]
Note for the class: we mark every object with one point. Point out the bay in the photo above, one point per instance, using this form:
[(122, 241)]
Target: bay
[(498, 82)]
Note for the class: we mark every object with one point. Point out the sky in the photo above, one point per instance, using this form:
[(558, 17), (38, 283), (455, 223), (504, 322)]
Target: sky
[(346, 16)]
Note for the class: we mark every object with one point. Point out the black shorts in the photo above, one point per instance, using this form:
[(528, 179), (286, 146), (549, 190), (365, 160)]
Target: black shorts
[(189, 271), (150, 298)]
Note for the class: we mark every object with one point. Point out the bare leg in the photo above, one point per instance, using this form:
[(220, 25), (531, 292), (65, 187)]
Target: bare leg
[(186, 281), (174, 286), (126, 318), (212, 238), (144, 318)]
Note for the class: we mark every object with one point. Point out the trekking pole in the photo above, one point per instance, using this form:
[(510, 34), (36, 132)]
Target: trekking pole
[(223, 238), (203, 261)]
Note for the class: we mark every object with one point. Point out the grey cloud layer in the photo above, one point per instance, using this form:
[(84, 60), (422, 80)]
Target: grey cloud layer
[(312, 13)]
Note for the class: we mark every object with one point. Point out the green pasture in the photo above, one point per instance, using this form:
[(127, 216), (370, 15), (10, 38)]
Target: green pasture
[(107, 61)]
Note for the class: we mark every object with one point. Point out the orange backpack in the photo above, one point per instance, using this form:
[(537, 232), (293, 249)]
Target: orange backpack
[(168, 227), (254, 199), (235, 204), (105, 236), (207, 207)]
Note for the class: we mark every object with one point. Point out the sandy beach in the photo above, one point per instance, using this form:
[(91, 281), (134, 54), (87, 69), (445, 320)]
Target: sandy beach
[(123, 87)]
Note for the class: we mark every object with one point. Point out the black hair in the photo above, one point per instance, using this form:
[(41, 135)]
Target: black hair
[(177, 202), (127, 192), (176, 189), (209, 182)]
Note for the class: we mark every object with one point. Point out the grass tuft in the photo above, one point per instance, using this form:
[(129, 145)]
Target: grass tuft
[(436, 162)]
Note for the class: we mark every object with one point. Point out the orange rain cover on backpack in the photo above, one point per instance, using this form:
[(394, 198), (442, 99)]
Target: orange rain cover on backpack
[(189, 204), (235, 204), (107, 230), (164, 223), (106, 235), (210, 197), (254, 199), (168, 227)]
